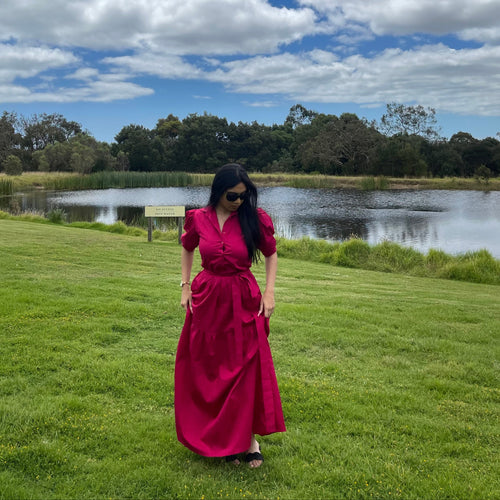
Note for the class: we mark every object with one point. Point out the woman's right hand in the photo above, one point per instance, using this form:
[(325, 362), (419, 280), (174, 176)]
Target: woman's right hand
[(187, 298)]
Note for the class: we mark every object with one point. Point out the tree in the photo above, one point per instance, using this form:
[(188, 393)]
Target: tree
[(81, 154), (9, 138), (298, 116), (137, 142), (442, 159), (41, 130), (202, 145), (341, 146), (168, 128), (409, 120), (475, 153), (400, 156), (12, 165)]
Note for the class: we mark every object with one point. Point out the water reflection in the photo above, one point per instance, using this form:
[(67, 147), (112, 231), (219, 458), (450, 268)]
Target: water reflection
[(455, 221)]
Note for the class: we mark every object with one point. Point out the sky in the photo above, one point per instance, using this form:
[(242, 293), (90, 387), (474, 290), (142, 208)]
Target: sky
[(110, 63)]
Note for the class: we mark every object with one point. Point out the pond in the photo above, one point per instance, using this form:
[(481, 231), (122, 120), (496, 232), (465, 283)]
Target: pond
[(453, 221)]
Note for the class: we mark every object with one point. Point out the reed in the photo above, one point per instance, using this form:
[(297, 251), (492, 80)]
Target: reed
[(374, 183), (120, 180), (6, 187), (106, 180)]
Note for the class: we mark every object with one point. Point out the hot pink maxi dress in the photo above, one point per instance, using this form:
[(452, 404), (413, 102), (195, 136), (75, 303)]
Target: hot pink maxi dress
[(225, 383)]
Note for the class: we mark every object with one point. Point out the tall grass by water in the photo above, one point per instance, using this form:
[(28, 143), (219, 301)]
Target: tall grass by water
[(478, 267), (389, 383), (106, 180), (6, 187)]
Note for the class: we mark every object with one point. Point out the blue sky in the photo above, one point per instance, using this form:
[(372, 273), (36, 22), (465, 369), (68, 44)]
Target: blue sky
[(110, 63)]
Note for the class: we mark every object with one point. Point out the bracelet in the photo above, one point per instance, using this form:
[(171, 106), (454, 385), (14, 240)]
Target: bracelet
[(185, 283)]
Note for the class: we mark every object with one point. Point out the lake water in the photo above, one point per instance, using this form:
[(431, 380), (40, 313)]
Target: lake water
[(454, 221)]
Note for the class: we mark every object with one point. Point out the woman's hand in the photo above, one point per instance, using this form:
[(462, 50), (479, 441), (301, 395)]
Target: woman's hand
[(187, 298), (267, 304)]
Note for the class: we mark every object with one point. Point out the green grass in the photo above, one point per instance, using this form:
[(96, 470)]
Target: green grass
[(477, 267), (389, 382)]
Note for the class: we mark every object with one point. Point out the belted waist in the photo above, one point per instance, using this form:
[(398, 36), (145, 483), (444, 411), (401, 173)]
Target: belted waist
[(225, 273)]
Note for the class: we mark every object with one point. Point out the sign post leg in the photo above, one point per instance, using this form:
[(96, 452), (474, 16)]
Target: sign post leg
[(180, 223), (150, 228)]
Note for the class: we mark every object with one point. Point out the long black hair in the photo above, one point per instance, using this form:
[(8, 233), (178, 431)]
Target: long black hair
[(227, 177)]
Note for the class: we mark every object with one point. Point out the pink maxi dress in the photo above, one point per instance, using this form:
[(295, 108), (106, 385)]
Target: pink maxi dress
[(225, 383)]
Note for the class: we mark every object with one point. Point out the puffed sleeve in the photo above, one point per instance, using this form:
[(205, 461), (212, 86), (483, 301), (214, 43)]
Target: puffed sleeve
[(267, 241), (190, 238)]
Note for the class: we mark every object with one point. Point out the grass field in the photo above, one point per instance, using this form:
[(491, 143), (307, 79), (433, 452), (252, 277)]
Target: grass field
[(389, 382)]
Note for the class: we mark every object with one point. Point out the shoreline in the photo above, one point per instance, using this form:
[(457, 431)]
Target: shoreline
[(60, 181)]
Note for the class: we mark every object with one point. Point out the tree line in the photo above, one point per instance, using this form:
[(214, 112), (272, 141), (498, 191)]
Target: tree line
[(405, 143)]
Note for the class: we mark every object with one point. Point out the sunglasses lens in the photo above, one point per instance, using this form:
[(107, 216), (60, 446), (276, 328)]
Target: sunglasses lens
[(230, 196)]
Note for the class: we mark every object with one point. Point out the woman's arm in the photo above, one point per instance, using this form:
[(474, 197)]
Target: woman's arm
[(186, 266), (267, 301)]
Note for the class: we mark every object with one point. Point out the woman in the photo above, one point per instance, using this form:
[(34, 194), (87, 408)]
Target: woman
[(225, 384)]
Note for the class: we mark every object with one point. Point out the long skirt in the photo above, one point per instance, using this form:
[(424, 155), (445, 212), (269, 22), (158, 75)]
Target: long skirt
[(225, 383)]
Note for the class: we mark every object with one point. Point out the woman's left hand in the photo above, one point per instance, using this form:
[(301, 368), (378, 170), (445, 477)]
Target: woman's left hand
[(267, 304)]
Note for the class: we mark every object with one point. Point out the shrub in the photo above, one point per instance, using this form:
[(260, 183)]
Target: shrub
[(352, 253), (389, 256), (12, 165), (437, 259), (57, 216), (118, 227), (305, 248), (476, 267)]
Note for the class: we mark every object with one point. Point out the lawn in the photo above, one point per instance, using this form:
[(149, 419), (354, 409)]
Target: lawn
[(389, 383)]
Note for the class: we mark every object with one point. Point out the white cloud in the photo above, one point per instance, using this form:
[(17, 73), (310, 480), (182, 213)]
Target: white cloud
[(476, 20), (260, 104), (246, 46), (458, 81), (162, 65), (20, 61), (96, 87), (173, 26), (85, 74)]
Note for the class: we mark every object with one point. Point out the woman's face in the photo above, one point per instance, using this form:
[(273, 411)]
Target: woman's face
[(232, 204)]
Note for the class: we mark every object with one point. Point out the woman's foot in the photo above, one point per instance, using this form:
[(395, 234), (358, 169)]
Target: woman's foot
[(253, 455), (233, 459)]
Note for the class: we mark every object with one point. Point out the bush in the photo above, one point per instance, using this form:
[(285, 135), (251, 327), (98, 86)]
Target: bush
[(352, 253), (12, 165), (57, 216), (118, 227), (389, 256), (437, 259), (476, 267), (304, 249)]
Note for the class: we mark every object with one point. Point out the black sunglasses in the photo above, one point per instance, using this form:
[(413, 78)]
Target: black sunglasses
[(232, 196)]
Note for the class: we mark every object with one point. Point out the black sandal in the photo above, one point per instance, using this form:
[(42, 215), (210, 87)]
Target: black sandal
[(231, 458), (256, 455)]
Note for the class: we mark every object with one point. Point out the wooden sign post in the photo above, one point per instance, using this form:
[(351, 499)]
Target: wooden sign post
[(156, 212)]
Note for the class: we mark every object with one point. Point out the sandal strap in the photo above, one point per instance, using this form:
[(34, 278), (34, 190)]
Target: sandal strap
[(254, 456)]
